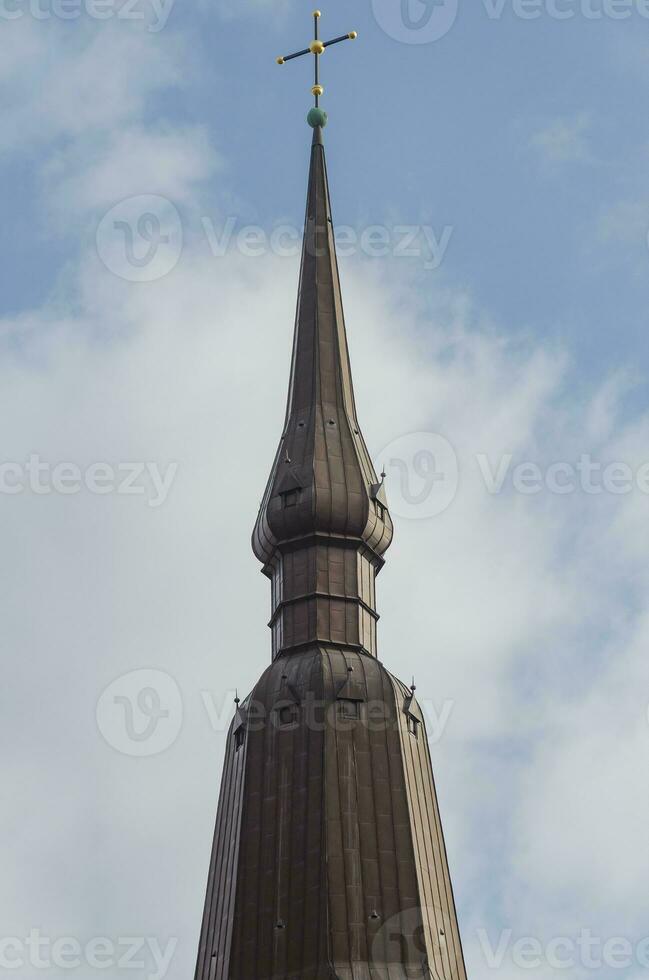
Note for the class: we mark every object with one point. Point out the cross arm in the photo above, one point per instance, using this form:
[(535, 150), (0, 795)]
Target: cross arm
[(343, 37), (317, 47), (289, 57)]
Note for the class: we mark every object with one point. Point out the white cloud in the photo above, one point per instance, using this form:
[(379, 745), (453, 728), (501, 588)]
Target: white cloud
[(626, 221), (57, 87), (484, 603), (529, 613), (165, 160), (563, 140)]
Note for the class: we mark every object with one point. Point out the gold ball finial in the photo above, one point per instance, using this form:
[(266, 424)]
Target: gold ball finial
[(317, 13), (316, 47), (317, 90), (280, 60), (352, 35)]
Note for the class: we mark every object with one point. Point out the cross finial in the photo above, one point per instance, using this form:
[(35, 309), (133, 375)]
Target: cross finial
[(317, 117)]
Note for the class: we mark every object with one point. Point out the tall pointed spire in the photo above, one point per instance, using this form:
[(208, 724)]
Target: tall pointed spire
[(328, 861), (323, 525)]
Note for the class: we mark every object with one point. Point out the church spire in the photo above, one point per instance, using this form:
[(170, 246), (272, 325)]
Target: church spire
[(323, 524), (328, 860)]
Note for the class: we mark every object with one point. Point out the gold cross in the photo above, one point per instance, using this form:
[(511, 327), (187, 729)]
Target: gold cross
[(317, 48)]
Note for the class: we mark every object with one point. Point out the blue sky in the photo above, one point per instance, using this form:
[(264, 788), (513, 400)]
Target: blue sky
[(145, 333), (450, 133)]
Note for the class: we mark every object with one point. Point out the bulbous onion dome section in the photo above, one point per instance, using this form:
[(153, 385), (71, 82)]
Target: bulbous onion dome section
[(323, 482)]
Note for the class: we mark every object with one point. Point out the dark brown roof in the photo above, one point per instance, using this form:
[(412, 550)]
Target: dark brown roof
[(328, 860), (322, 451), (323, 524)]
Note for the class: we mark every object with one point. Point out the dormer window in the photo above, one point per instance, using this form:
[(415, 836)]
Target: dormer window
[(289, 715), (348, 709), (291, 498), (413, 725)]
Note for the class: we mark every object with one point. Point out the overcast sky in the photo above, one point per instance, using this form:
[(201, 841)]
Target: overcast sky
[(489, 180)]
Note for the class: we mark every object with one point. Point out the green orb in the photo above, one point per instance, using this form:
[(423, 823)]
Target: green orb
[(317, 117)]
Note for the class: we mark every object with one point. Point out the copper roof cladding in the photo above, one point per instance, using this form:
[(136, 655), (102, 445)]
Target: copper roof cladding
[(323, 490), (328, 861)]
